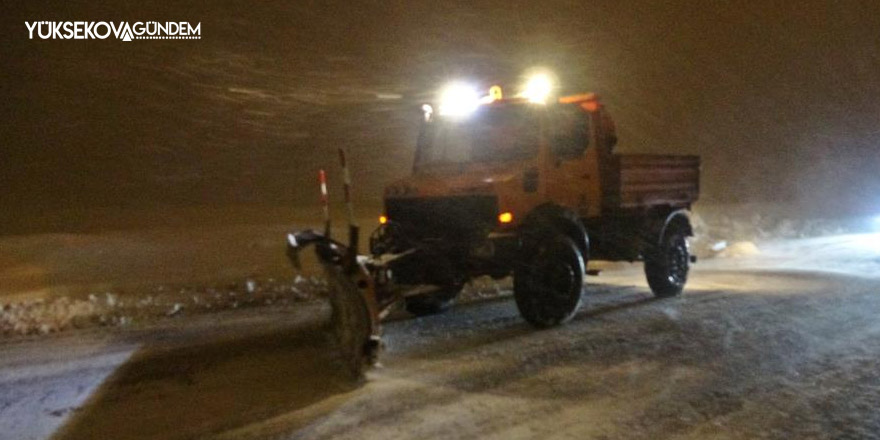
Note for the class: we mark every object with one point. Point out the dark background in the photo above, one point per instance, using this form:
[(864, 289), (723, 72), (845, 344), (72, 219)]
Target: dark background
[(781, 98)]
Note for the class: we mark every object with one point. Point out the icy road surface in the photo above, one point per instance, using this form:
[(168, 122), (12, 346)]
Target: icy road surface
[(781, 345)]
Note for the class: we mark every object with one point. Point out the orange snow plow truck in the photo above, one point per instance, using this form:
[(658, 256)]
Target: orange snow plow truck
[(528, 186)]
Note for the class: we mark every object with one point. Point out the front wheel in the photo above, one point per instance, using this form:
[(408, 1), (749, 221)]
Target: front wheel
[(548, 285), (667, 263)]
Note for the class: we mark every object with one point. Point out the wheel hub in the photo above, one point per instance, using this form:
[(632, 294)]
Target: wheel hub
[(678, 260)]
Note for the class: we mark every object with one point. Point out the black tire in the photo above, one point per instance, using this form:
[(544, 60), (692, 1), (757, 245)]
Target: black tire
[(432, 303), (548, 286), (667, 261)]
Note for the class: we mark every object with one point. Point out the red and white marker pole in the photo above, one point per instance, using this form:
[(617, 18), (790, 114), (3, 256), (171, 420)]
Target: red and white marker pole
[(353, 233), (325, 201), (346, 186)]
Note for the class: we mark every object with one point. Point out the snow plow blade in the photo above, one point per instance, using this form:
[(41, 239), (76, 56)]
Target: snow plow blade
[(354, 317)]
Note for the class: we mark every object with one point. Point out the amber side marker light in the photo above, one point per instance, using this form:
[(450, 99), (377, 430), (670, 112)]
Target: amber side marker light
[(505, 217), (383, 219)]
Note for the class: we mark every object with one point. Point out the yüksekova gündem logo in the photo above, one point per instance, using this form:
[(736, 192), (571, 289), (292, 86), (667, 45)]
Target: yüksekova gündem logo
[(102, 30)]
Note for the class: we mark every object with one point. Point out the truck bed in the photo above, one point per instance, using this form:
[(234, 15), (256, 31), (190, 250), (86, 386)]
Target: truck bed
[(645, 180)]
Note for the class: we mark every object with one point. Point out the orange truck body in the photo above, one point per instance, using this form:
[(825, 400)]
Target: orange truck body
[(614, 196)]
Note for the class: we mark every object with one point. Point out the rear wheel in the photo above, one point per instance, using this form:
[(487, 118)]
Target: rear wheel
[(548, 286), (432, 303), (667, 263)]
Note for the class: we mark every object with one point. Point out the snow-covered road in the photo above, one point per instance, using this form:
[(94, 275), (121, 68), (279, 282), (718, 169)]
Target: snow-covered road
[(778, 345)]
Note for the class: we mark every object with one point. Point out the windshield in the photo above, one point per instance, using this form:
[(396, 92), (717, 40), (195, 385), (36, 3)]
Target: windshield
[(492, 133)]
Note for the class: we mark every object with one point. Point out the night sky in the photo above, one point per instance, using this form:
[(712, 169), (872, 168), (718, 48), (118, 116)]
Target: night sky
[(781, 98)]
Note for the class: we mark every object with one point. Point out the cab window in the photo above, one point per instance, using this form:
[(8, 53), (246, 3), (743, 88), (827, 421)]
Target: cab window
[(568, 132)]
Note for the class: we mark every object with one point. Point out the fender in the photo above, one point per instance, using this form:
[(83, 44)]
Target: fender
[(682, 215), (554, 217)]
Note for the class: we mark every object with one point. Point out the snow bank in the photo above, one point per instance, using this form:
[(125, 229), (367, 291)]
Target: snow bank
[(43, 316), (735, 230), (739, 249)]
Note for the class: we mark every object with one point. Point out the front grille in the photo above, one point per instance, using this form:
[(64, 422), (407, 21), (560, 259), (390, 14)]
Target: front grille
[(443, 217)]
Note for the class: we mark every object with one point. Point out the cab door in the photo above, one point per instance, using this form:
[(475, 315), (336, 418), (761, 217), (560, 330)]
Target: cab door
[(572, 174)]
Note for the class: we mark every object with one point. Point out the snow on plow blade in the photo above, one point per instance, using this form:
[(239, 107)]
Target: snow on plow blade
[(354, 318), (351, 321)]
